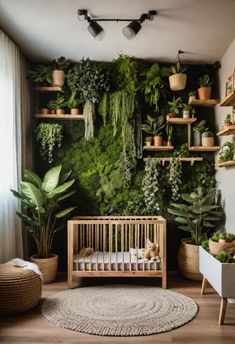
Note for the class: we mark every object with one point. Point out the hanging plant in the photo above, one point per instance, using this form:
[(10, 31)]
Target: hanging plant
[(90, 81), (174, 178), (129, 156), (127, 73), (138, 135), (151, 184), (49, 136), (103, 108)]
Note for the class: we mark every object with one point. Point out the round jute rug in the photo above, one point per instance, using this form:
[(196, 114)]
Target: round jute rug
[(119, 310)]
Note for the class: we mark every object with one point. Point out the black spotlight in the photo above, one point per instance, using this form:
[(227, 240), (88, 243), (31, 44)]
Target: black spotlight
[(131, 29), (95, 29)]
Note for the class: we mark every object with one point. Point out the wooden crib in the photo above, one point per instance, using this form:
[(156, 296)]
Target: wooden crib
[(113, 240)]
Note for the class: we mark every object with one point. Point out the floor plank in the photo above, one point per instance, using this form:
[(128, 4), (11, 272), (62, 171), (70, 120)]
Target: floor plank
[(32, 327)]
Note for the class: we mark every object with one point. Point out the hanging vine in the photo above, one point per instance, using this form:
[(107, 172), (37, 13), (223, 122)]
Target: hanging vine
[(174, 178), (151, 185)]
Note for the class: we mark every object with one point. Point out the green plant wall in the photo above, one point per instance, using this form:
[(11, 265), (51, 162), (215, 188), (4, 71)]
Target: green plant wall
[(98, 167)]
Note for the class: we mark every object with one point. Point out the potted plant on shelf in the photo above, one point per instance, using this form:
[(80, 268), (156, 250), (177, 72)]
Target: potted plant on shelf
[(50, 136), (192, 96), (148, 141), (169, 130), (52, 107), (198, 129), (41, 75), (44, 111), (186, 110), (154, 126), (199, 212), (204, 92), (73, 103), (222, 241), (43, 213), (59, 66), (176, 106), (178, 78), (228, 121), (227, 152), (207, 139), (60, 104)]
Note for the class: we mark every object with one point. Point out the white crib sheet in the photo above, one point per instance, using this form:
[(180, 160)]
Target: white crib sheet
[(100, 261)]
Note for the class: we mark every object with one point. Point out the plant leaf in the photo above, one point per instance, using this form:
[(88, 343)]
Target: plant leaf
[(51, 179), (32, 193), (60, 189), (64, 212), (33, 178)]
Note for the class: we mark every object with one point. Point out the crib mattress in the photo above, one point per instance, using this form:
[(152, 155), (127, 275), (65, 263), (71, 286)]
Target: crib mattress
[(105, 261)]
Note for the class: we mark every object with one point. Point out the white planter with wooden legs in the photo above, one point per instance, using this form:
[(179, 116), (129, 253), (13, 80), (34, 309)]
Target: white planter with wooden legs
[(221, 276)]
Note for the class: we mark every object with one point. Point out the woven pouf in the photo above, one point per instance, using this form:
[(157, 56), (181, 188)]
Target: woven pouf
[(20, 289)]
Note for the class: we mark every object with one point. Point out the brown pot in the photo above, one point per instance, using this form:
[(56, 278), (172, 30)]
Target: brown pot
[(157, 140), (74, 111), (60, 111), (217, 247), (204, 93), (44, 111), (58, 77), (207, 141), (188, 260), (47, 266), (53, 112), (177, 81)]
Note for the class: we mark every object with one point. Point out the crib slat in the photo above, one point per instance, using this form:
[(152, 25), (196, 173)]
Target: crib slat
[(110, 246), (84, 264), (90, 264), (97, 261), (130, 261), (103, 260), (143, 261)]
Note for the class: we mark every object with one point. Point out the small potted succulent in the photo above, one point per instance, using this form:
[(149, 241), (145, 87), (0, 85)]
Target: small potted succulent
[(52, 106), (73, 103), (198, 129), (207, 139), (176, 106), (221, 241), (186, 110), (178, 78), (155, 126), (60, 104), (204, 92), (192, 96), (169, 130), (148, 141), (59, 66)]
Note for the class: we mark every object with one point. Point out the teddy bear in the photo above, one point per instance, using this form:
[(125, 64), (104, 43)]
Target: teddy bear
[(151, 252)]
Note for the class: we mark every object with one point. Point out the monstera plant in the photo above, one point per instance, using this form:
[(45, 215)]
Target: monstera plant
[(200, 211), (43, 213)]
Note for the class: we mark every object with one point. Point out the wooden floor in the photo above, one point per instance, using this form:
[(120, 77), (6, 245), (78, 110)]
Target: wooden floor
[(31, 327)]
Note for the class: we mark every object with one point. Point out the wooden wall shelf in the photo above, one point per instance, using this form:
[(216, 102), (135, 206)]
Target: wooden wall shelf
[(230, 130), (207, 102), (186, 159), (177, 120), (226, 163), (204, 149), (158, 148), (61, 117), (48, 89), (229, 100)]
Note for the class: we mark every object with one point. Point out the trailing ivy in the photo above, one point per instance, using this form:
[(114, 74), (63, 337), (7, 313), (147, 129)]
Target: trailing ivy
[(174, 178), (126, 73), (103, 108)]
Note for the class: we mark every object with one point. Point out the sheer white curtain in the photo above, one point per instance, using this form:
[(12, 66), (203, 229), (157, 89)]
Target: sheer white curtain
[(10, 148)]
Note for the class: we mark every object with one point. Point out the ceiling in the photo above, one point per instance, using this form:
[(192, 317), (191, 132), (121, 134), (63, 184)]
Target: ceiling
[(46, 29)]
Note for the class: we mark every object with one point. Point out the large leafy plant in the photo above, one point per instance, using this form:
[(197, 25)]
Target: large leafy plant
[(199, 212), (43, 213), (126, 73), (41, 74), (152, 84), (154, 126)]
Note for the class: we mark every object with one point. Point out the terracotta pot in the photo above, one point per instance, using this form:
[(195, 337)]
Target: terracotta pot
[(74, 111), (47, 266), (44, 111), (204, 93), (60, 111), (217, 247), (53, 112), (188, 260), (157, 140), (177, 81), (58, 77), (207, 141)]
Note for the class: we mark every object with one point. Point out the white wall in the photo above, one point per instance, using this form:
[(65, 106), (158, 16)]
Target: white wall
[(226, 176)]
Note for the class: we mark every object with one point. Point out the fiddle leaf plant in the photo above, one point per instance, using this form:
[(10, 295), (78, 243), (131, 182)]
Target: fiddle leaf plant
[(43, 213), (199, 212)]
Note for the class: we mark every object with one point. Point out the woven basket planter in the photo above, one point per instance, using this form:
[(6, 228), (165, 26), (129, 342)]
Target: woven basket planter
[(188, 260), (47, 266), (20, 289), (217, 247)]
